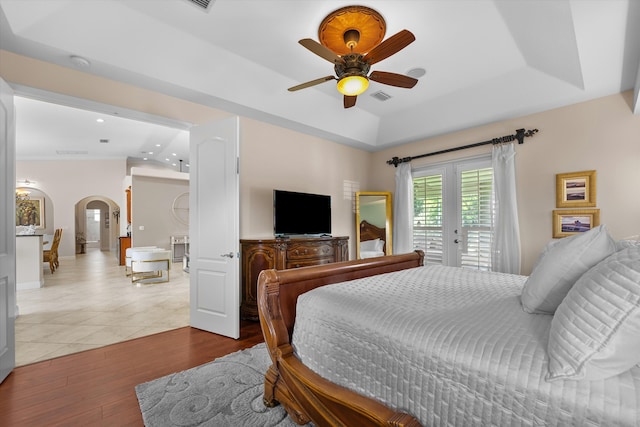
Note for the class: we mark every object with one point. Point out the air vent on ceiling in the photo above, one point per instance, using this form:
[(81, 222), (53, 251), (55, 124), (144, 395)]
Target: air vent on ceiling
[(204, 4), (66, 152), (104, 141), (380, 95)]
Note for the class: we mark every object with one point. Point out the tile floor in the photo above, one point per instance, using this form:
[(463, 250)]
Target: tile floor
[(89, 302)]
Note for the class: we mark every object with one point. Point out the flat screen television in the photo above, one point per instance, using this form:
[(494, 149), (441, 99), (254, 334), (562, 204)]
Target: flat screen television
[(301, 213)]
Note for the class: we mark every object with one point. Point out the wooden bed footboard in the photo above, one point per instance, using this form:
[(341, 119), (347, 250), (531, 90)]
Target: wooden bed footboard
[(304, 394)]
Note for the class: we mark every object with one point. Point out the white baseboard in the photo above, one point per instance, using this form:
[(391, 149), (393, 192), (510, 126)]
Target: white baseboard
[(29, 285)]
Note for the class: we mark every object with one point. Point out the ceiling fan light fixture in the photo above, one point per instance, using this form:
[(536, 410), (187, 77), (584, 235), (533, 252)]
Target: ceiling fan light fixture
[(352, 85), (351, 38), (339, 29)]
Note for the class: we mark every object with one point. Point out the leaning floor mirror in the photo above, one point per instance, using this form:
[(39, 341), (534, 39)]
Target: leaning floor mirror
[(373, 224)]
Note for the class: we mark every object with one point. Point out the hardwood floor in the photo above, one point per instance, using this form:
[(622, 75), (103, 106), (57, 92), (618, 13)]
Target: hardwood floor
[(96, 387)]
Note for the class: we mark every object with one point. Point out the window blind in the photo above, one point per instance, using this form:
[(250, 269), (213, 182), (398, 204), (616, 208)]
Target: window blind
[(428, 217), (476, 208)]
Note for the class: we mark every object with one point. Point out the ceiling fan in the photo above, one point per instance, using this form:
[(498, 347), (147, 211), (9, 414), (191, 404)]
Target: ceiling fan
[(355, 32)]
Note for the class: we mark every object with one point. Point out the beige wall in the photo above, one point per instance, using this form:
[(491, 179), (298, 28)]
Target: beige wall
[(275, 158), (67, 182), (602, 134), (151, 208)]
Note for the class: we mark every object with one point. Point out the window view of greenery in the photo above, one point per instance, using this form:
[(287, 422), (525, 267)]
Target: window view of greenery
[(476, 216), (427, 217)]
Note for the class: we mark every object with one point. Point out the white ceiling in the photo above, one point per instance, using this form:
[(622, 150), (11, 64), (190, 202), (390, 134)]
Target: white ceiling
[(485, 61), (52, 131)]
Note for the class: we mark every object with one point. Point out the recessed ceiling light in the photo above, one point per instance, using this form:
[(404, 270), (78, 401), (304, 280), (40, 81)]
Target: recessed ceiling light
[(79, 61), (173, 164), (157, 145), (145, 158), (100, 120), (150, 152), (416, 73), (167, 160), (173, 154)]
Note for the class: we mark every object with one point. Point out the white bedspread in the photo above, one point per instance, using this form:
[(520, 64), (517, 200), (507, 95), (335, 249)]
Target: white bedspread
[(453, 347)]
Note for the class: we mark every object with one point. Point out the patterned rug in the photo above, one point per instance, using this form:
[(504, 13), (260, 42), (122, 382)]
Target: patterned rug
[(225, 392)]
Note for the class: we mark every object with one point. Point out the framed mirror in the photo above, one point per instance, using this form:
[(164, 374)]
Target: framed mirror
[(373, 224)]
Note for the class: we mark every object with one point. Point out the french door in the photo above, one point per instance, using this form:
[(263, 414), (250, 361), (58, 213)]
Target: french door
[(453, 213)]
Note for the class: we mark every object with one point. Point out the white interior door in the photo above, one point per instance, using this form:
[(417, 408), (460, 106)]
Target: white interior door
[(8, 309), (214, 228)]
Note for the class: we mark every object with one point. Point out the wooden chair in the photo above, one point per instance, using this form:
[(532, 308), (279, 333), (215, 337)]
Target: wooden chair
[(51, 255)]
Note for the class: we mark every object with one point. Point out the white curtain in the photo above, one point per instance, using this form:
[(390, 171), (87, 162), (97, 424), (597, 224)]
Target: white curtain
[(403, 210), (506, 235)]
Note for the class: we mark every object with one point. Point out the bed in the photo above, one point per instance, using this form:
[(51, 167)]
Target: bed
[(455, 347), (372, 240)]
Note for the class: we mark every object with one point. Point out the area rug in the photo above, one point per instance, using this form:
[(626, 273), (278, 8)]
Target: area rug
[(225, 392)]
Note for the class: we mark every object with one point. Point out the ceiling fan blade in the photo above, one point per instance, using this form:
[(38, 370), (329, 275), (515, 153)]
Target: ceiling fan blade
[(321, 51), (393, 79), (349, 101), (311, 83), (390, 46)]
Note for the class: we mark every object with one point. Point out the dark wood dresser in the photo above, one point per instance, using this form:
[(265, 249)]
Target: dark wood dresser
[(283, 253)]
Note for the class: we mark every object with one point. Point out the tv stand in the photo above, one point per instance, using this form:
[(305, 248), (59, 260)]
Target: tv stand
[(283, 253)]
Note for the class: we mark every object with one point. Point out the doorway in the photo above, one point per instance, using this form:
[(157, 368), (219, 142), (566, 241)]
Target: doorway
[(453, 213), (97, 224), (97, 276)]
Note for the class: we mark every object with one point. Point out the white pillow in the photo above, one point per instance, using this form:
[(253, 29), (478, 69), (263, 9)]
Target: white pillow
[(628, 242), (560, 264), (369, 245), (595, 333), (379, 245)]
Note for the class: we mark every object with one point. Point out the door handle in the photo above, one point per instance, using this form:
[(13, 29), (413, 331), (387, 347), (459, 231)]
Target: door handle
[(229, 255)]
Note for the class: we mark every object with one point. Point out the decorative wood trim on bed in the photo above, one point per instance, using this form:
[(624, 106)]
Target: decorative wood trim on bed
[(304, 394)]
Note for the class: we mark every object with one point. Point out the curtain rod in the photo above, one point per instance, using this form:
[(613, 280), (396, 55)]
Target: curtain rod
[(519, 135)]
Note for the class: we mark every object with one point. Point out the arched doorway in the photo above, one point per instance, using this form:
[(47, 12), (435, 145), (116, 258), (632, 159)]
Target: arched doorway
[(97, 223)]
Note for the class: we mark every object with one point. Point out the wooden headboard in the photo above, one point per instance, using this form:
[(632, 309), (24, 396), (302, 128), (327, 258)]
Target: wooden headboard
[(371, 232)]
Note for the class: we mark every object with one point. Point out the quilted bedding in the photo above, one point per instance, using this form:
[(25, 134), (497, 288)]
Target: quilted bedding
[(452, 347)]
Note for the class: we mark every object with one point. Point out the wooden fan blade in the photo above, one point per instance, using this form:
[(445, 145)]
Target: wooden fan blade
[(393, 79), (321, 51), (349, 101), (390, 46), (311, 83)]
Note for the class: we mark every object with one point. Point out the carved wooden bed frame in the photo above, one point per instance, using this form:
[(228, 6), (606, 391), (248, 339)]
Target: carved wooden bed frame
[(304, 394), (369, 231)]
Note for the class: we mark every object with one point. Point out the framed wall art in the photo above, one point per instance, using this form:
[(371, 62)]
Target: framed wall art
[(30, 212), (568, 222), (576, 189)]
